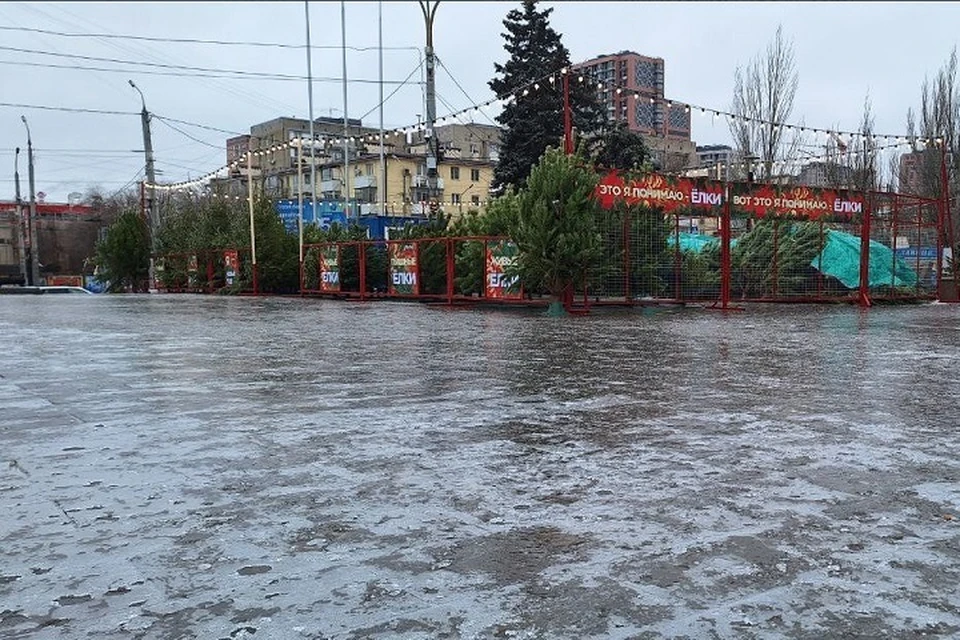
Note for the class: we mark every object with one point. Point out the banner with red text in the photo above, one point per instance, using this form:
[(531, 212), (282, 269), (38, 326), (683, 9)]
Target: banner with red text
[(501, 257), (403, 268), (231, 266), (811, 203), (329, 258), (655, 190)]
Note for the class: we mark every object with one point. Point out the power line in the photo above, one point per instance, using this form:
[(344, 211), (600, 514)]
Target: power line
[(392, 93), (224, 74), (278, 45), (462, 90), (184, 133), (194, 124), (68, 109), (158, 65)]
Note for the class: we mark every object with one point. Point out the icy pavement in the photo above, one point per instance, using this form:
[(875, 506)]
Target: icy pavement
[(204, 467)]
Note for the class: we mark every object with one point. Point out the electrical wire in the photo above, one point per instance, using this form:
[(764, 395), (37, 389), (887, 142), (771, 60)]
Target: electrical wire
[(392, 93), (69, 109), (462, 90), (184, 133), (194, 124), (278, 45), (221, 73), (240, 75), (145, 51)]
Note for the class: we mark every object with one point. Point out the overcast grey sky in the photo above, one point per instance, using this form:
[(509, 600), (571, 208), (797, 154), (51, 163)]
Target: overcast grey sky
[(843, 52)]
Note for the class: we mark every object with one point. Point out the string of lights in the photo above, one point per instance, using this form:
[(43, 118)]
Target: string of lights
[(551, 80)]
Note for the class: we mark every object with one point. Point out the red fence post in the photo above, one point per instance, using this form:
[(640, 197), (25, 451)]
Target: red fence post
[(210, 273), (450, 268), (626, 254), (820, 262), (362, 257), (676, 258), (865, 253), (893, 232), (725, 252), (775, 276)]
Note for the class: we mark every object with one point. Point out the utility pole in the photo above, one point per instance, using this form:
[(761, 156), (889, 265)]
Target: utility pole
[(382, 187), (34, 270), (21, 236), (151, 180), (346, 132), (429, 11), (313, 140)]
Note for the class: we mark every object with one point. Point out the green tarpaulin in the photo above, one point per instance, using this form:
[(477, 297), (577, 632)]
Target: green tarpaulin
[(840, 258)]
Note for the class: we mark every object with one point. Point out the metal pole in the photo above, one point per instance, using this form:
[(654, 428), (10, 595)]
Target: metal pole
[(946, 223), (151, 181), (21, 236), (313, 149), (864, 290), (300, 200), (432, 143), (346, 132), (383, 161), (32, 220), (725, 251), (253, 236)]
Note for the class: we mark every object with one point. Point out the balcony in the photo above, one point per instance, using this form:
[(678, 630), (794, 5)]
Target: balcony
[(364, 182), (421, 181)]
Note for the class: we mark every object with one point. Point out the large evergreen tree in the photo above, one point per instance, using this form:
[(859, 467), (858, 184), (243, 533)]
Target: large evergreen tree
[(535, 121), (557, 231), (123, 256)]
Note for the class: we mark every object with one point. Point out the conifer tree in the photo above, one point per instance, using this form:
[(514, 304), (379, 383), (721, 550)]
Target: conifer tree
[(535, 121)]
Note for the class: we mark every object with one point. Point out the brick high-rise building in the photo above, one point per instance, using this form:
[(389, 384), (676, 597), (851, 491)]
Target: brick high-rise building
[(911, 167), (622, 76)]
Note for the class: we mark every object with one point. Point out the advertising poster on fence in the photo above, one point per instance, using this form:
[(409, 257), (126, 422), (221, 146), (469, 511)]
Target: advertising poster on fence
[(192, 270), (501, 256), (403, 269), (330, 267), (655, 190), (810, 203), (231, 264)]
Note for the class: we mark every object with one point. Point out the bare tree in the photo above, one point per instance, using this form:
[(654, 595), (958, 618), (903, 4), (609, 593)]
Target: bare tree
[(763, 95), (939, 120), (865, 159)]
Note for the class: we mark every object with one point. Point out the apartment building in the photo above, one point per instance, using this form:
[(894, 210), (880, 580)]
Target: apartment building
[(468, 154), (620, 77)]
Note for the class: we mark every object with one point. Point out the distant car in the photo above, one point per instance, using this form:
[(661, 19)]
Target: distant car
[(64, 289)]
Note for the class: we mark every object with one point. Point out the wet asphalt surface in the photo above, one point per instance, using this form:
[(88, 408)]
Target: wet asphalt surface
[(206, 467)]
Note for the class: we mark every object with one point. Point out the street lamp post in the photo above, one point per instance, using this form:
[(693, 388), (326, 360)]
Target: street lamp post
[(34, 270), (429, 11), (151, 180)]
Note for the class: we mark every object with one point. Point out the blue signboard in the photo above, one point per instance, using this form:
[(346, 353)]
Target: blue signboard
[(331, 212), (328, 213), (924, 253)]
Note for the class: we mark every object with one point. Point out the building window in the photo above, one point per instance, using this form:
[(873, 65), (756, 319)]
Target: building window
[(454, 198), (475, 201), (454, 173), (474, 175)]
